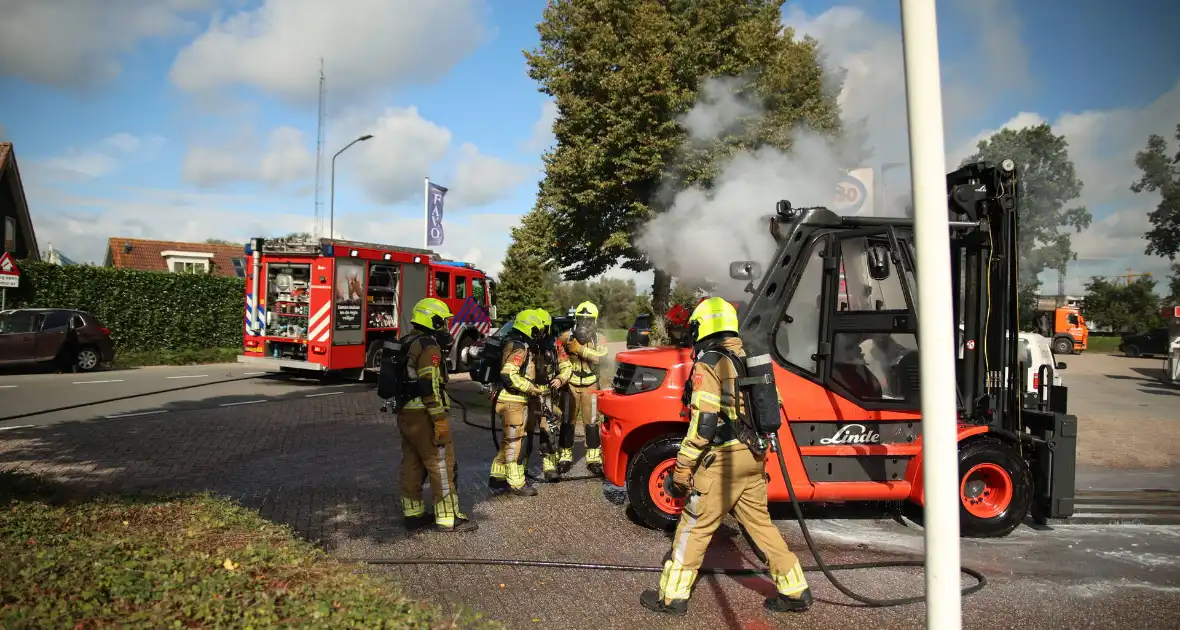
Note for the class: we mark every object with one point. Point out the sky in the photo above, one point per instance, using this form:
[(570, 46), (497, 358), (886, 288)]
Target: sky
[(193, 119)]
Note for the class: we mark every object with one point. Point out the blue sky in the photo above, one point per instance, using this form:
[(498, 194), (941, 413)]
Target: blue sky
[(153, 118)]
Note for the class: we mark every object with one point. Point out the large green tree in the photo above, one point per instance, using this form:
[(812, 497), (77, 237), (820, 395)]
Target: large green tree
[(1048, 187), (623, 74), (1130, 306), (1161, 173)]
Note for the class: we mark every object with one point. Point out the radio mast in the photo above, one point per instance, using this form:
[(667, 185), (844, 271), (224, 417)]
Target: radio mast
[(319, 158)]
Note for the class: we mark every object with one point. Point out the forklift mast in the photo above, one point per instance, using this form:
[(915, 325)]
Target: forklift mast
[(985, 283)]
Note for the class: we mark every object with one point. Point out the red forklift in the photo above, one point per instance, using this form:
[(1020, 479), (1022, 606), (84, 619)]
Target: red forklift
[(836, 309), (326, 305)]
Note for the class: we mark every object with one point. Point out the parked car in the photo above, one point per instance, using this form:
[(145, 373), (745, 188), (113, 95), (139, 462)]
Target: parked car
[(36, 335), (1036, 350), (639, 334), (1153, 342)]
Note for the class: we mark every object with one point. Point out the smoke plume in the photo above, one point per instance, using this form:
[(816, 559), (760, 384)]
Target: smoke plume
[(703, 230)]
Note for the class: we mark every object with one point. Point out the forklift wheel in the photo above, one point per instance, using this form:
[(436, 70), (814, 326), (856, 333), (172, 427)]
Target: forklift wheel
[(995, 489), (645, 483)]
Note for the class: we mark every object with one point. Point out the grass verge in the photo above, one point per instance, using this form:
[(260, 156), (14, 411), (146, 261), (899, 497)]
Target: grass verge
[(182, 561), (1104, 345), (132, 359), (615, 334)]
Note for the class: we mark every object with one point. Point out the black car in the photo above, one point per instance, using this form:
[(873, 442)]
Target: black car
[(639, 334), (1148, 343)]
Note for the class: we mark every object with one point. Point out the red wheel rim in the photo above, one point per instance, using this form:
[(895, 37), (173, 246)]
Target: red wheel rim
[(986, 490), (655, 489)]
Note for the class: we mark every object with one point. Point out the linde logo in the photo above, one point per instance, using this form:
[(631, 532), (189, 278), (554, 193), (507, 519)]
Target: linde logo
[(853, 434)]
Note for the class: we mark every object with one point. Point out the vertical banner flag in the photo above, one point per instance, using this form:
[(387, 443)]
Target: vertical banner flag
[(434, 214)]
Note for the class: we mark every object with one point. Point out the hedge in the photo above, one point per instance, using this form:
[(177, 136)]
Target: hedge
[(145, 310)]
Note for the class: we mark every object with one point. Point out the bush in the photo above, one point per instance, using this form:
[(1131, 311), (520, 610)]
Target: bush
[(180, 561), (145, 310)]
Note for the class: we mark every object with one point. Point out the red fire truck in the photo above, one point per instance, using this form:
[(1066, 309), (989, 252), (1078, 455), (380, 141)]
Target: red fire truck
[(325, 305)]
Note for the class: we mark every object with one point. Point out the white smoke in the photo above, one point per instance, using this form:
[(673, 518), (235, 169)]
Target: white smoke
[(703, 230)]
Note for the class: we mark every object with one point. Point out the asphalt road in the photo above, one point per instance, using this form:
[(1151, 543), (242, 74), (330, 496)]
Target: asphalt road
[(43, 399)]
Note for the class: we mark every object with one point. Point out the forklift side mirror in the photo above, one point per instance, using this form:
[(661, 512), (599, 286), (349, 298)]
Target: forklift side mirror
[(878, 260), (1061, 365), (744, 270)]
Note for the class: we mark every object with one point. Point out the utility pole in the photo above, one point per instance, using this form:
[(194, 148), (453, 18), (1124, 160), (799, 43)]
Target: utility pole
[(319, 158)]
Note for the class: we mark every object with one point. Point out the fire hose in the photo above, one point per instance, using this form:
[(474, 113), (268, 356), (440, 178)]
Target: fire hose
[(820, 565)]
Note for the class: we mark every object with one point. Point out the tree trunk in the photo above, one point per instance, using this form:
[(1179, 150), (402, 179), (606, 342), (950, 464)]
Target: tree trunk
[(661, 290)]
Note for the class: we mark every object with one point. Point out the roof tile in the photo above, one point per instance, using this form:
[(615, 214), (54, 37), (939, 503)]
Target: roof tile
[(147, 255)]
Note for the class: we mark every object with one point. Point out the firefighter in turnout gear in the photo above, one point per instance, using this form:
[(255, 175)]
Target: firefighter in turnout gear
[(516, 391), (717, 473), (586, 348), (546, 412), (427, 451)]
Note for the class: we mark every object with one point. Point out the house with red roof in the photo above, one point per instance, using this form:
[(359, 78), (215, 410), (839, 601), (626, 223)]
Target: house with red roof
[(176, 256)]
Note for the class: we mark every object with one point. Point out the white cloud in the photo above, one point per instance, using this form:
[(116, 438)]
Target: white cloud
[(367, 45), (72, 43), (390, 166), (481, 179), (284, 159), (874, 86), (542, 137), (100, 159)]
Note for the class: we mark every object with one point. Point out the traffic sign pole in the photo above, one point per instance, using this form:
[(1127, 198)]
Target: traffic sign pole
[(9, 278)]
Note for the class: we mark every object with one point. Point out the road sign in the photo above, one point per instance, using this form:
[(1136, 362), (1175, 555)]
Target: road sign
[(9, 273), (854, 192)]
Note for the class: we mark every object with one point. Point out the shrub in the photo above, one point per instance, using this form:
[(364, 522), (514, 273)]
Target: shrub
[(145, 310)]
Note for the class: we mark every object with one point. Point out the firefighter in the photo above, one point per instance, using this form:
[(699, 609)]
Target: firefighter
[(716, 472), (546, 411), (427, 450), (512, 402), (586, 348)]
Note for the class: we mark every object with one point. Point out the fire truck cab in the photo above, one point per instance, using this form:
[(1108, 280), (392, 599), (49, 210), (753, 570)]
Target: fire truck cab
[(325, 305)]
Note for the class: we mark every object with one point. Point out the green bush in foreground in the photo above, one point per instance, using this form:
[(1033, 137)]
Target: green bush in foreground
[(177, 562), (145, 310)]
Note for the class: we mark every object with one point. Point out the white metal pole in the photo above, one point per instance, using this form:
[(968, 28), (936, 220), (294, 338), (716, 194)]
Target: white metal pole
[(940, 470), (426, 213)]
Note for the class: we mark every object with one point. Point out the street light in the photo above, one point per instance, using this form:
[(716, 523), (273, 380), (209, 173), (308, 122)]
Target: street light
[(332, 194)]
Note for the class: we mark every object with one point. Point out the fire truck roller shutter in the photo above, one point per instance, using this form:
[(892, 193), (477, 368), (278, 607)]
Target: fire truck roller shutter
[(413, 289)]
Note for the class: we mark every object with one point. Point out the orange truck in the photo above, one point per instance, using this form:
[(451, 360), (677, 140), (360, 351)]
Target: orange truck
[(1069, 333)]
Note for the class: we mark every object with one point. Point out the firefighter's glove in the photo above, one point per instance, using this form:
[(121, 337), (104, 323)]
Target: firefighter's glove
[(574, 345), (555, 383), (442, 431), (674, 489)]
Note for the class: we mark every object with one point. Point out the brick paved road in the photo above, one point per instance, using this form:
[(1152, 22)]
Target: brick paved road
[(328, 467)]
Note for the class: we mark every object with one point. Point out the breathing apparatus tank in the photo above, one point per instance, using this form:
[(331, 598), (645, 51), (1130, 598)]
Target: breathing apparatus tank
[(761, 394)]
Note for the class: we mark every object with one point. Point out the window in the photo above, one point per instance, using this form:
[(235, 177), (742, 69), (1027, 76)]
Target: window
[(181, 266), (19, 322), (479, 291), (442, 284), (859, 291), (876, 366), (9, 234), (239, 266), (797, 335), (1073, 319), (56, 320), (460, 287), (77, 321)]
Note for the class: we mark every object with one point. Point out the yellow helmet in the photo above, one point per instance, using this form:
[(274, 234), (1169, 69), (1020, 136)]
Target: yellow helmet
[(586, 309), (546, 319), (431, 313), (527, 322), (712, 316)]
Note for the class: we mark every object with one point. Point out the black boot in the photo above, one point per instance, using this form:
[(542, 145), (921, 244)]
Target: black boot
[(595, 468), (782, 603), (461, 525), (552, 476), (527, 490), (497, 484), (564, 466), (651, 600)]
